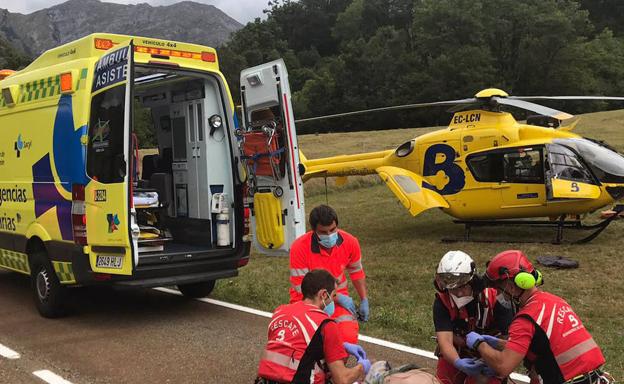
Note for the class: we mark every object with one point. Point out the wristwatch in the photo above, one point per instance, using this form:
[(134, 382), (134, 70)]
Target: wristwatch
[(476, 344)]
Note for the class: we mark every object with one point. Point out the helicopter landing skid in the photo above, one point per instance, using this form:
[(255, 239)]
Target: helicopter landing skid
[(558, 225)]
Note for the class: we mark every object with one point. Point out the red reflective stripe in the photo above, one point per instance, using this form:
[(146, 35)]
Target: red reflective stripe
[(292, 150), (576, 351)]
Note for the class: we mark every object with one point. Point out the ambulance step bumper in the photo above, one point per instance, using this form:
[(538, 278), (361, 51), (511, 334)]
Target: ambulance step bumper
[(175, 280)]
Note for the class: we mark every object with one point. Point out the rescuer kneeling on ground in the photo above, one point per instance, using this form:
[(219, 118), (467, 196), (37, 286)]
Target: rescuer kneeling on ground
[(462, 305), (338, 252), (546, 332), (301, 335)]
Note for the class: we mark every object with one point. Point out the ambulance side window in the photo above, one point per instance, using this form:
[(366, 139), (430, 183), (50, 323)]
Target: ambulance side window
[(106, 136)]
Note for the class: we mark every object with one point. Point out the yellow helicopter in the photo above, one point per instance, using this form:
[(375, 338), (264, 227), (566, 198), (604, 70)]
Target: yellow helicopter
[(486, 166)]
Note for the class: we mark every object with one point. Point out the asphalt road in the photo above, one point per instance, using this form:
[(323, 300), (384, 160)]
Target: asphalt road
[(136, 336)]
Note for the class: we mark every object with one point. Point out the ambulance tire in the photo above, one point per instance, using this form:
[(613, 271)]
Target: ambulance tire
[(48, 293), (197, 290)]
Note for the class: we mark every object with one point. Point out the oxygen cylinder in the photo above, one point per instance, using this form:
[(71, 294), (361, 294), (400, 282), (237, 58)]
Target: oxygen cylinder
[(223, 227), (222, 211)]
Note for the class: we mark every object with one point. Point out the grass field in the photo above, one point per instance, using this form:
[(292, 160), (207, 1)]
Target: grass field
[(400, 252)]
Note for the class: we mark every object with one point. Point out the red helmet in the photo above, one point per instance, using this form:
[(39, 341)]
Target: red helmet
[(507, 264)]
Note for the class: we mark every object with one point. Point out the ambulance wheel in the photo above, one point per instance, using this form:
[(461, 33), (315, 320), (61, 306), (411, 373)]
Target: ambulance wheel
[(197, 290), (47, 291)]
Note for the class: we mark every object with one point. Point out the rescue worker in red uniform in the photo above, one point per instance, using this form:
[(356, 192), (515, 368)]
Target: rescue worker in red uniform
[(462, 305), (545, 332), (338, 252), (304, 343)]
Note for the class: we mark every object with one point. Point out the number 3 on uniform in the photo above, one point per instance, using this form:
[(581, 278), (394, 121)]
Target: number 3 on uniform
[(575, 187), (280, 335)]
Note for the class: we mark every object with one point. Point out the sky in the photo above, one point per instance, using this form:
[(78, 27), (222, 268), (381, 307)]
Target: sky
[(241, 10)]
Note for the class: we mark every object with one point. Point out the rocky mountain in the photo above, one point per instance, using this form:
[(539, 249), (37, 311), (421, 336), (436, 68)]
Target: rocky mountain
[(186, 21), (11, 58)]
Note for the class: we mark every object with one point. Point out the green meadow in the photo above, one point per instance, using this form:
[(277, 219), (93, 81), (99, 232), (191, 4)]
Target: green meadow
[(400, 252)]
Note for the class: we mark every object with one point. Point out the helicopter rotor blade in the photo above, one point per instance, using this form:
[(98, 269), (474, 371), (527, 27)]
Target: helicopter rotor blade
[(540, 109), (390, 108), (616, 98)]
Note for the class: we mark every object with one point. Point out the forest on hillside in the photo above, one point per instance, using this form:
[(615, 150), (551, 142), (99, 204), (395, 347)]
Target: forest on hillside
[(345, 55)]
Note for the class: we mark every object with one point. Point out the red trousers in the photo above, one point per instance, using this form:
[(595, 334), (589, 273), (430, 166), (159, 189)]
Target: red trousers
[(448, 374)]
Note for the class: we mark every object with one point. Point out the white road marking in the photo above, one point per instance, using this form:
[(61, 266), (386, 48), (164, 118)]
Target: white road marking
[(50, 377), (368, 339), (8, 353)]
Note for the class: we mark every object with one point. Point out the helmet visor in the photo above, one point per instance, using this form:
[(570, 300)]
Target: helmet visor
[(453, 280)]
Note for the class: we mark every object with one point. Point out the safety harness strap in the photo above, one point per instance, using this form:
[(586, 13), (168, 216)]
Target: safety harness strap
[(312, 356)]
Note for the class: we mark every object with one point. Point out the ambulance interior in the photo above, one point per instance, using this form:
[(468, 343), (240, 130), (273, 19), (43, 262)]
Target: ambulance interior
[(184, 178)]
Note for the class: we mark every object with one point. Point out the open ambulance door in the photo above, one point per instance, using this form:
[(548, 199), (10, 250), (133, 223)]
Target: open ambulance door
[(107, 195), (567, 177), (270, 152)]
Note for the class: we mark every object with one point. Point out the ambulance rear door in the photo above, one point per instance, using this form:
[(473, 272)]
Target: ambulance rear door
[(270, 152), (107, 195)]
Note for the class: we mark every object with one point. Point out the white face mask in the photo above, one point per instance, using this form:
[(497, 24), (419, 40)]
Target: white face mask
[(462, 301)]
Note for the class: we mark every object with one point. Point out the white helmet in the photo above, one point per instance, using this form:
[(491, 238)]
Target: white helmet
[(455, 269)]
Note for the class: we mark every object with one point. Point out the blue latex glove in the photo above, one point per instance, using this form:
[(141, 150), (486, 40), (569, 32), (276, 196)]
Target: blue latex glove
[(472, 338), (346, 302), (366, 364), (491, 340), (363, 311), (470, 366), (355, 350)]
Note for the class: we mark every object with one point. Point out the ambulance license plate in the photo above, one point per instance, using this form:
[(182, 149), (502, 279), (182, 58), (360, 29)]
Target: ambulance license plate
[(109, 261)]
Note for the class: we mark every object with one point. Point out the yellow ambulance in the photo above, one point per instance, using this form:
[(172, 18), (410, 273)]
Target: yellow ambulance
[(81, 205)]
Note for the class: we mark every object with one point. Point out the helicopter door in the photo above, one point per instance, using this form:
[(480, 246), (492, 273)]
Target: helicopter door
[(567, 177), (523, 177), (271, 154)]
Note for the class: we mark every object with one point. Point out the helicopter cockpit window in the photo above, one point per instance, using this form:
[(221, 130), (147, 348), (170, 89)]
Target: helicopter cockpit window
[(523, 166), (606, 164), (565, 165)]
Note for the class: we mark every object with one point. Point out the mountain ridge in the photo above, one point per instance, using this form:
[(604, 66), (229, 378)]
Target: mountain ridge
[(187, 21)]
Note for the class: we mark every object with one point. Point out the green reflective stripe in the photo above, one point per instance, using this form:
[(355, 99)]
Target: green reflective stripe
[(14, 261), (23, 93), (50, 86), (64, 272), (42, 84), (83, 76), (46, 87)]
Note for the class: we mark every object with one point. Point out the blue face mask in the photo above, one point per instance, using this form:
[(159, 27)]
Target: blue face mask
[(329, 308), (328, 241)]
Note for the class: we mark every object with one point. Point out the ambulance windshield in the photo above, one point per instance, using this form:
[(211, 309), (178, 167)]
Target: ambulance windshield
[(105, 154)]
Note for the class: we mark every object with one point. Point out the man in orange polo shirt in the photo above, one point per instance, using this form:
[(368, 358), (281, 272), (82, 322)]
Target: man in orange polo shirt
[(327, 247)]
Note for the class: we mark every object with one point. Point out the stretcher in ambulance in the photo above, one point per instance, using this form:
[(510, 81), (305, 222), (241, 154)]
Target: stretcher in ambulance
[(82, 199)]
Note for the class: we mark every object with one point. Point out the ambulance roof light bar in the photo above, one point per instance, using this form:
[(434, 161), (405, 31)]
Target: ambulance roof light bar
[(166, 53)]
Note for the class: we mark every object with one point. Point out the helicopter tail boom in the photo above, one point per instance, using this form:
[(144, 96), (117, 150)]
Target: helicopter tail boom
[(343, 165)]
